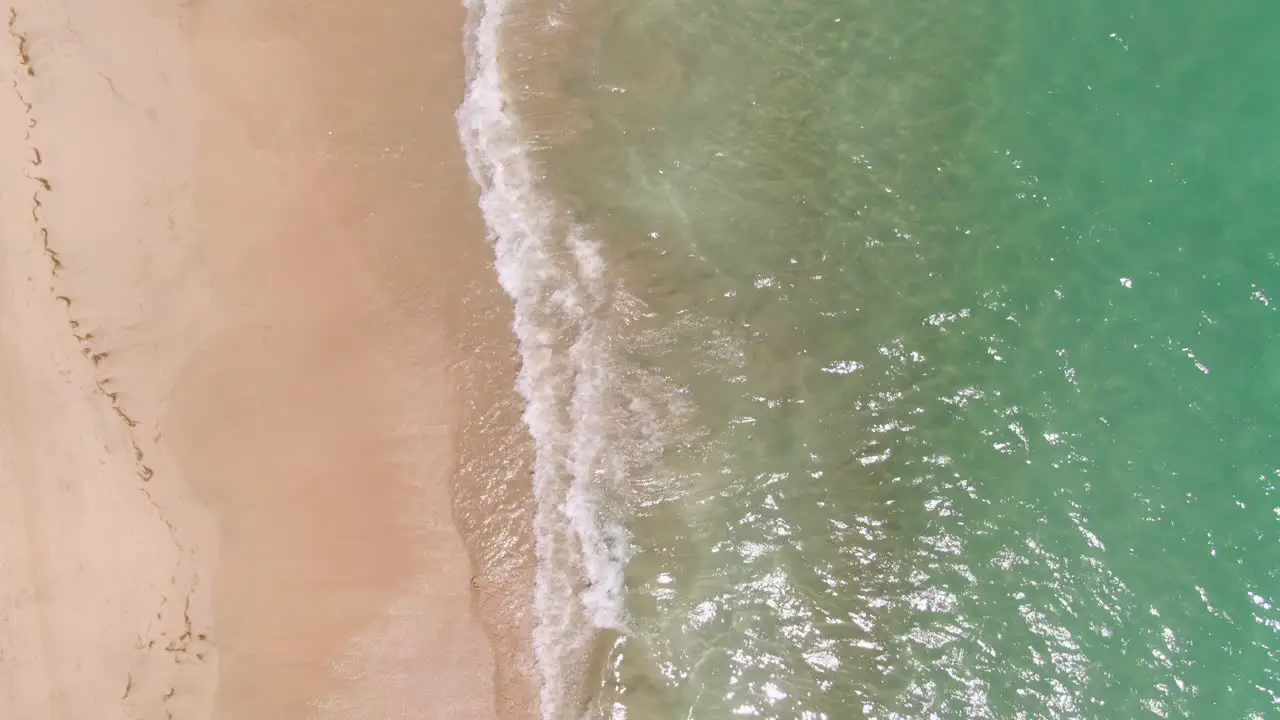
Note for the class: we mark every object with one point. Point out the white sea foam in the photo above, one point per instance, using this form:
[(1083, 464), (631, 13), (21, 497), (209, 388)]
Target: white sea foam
[(557, 278)]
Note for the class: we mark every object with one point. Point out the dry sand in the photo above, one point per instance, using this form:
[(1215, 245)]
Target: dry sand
[(240, 273)]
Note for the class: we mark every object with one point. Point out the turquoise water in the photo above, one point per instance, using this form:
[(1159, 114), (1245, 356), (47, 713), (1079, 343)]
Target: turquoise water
[(932, 350)]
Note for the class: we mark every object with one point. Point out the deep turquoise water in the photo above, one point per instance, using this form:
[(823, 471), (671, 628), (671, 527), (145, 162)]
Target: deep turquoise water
[(931, 353)]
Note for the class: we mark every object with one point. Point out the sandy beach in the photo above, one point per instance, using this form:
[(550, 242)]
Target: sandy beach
[(246, 311)]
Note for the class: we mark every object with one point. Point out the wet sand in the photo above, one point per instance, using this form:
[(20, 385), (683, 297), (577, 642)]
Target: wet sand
[(245, 307)]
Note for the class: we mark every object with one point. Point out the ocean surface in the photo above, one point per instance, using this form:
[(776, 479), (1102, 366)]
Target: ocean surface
[(893, 359)]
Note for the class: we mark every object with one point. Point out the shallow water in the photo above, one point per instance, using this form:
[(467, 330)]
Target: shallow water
[(899, 360)]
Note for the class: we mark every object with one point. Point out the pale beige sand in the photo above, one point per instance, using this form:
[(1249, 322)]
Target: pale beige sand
[(233, 381)]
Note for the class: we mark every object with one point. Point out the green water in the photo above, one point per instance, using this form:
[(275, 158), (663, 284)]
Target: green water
[(972, 307)]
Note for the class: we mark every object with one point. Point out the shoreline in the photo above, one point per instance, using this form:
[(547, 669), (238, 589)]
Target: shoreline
[(267, 318)]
